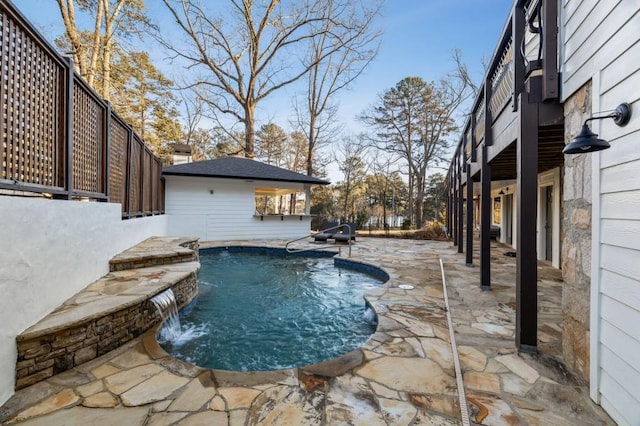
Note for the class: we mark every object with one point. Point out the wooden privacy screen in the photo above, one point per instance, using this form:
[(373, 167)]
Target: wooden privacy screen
[(59, 137)]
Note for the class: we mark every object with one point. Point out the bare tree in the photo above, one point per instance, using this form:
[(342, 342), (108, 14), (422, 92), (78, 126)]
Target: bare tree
[(382, 184), (80, 50), (93, 50), (353, 168), (329, 74), (294, 155), (248, 50), (414, 120), (193, 108)]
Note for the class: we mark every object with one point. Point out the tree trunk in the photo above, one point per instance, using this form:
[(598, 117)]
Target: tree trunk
[(109, 24), (311, 143), (384, 215), (97, 43), (67, 10), (106, 77), (410, 204), (249, 131), (419, 201)]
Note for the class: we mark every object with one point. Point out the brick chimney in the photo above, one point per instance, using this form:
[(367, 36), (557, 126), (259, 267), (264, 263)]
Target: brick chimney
[(181, 154)]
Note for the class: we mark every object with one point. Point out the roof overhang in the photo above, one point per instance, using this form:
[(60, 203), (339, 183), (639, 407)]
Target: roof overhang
[(275, 192), (245, 178)]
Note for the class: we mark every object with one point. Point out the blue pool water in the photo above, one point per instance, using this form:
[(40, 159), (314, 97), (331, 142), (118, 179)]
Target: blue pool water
[(258, 311)]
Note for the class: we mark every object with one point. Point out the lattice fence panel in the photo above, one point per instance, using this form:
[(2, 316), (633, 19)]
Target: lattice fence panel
[(118, 153), (88, 141), (32, 108), (135, 181)]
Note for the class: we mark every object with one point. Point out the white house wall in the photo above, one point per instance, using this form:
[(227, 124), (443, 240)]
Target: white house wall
[(595, 33), (229, 213), (50, 250), (601, 44), (550, 178)]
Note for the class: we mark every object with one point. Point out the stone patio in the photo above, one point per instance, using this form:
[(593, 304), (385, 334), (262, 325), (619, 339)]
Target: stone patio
[(404, 375)]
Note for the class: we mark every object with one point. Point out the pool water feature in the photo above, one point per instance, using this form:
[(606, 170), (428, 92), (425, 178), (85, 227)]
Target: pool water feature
[(260, 312), (171, 330), (166, 306)]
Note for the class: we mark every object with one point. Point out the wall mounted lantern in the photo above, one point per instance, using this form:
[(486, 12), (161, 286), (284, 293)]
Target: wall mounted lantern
[(587, 141)]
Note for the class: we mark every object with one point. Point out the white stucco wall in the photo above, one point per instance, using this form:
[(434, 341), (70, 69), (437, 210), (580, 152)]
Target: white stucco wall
[(224, 209), (49, 250)]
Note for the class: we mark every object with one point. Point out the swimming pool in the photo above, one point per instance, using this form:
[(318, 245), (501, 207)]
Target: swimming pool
[(258, 310)]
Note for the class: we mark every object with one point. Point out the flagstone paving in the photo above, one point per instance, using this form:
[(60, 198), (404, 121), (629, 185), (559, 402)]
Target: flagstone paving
[(404, 375)]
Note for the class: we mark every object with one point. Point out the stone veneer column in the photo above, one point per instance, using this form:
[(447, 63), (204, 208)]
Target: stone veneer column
[(576, 240)]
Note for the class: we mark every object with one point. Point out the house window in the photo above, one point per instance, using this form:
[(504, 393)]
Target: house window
[(278, 201), (497, 210)]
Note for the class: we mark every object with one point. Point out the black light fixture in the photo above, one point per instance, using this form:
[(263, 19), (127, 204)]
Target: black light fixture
[(587, 141), (501, 192)]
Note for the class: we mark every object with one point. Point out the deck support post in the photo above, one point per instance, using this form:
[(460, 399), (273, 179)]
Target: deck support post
[(469, 253), (454, 206), (485, 221), (460, 208), (449, 203), (526, 258)]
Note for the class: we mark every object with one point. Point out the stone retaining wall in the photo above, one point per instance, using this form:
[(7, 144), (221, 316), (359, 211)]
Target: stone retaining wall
[(51, 354), (147, 254), (144, 263), (576, 241)]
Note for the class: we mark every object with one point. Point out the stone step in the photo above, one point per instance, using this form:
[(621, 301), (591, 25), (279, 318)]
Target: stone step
[(156, 251)]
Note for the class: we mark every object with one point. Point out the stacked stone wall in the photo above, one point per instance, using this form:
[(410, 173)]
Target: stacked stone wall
[(576, 241), (151, 261), (45, 356)]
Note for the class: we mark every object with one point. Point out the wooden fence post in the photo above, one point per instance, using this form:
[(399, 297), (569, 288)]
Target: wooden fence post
[(107, 149), (69, 129), (128, 173)]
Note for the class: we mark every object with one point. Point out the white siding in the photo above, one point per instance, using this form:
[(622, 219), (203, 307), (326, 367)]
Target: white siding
[(601, 43), (228, 213), (595, 33)]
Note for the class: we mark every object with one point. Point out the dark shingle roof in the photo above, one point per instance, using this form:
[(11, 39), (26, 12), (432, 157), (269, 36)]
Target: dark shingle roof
[(239, 168)]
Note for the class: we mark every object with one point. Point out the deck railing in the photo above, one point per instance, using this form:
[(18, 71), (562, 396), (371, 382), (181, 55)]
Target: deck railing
[(500, 86), (61, 139), (502, 80), (479, 121)]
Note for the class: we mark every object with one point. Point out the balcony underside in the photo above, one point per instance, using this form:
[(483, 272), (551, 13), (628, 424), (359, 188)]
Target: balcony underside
[(550, 145)]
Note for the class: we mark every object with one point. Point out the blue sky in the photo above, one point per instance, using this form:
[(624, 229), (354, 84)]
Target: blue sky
[(419, 38)]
